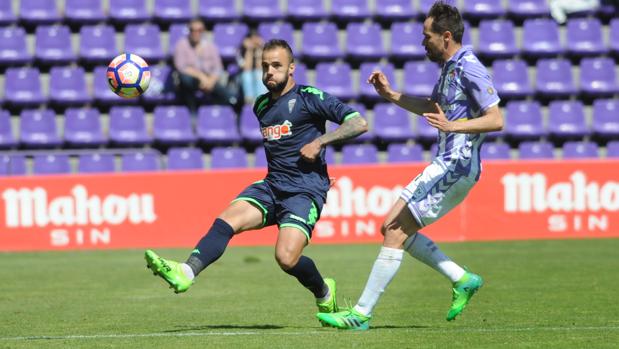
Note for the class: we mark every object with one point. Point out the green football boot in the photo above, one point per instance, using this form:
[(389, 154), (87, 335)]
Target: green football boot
[(463, 290), (168, 270), (330, 305), (346, 320)]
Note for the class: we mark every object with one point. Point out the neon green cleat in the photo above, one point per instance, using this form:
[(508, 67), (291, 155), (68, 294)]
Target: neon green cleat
[(170, 271), (330, 305), (346, 320), (463, 290)]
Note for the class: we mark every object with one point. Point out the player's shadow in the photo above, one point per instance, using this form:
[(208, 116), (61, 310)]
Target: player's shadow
[(225, 327)]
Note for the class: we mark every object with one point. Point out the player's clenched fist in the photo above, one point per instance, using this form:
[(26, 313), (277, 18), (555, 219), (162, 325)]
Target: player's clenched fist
[(310, 151)]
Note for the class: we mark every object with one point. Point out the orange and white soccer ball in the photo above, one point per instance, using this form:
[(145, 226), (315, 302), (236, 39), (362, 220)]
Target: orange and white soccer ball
[(128, 75)]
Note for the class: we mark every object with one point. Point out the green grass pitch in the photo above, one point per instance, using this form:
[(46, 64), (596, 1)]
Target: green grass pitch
[(537, 294)]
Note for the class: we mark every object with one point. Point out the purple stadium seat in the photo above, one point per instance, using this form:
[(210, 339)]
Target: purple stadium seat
[(176, 32), (97, 43), (535, 150), (172, 125), (38, 129), (168, 11), (497, 38), (185, 159), (306, 10), (320, 41), (144, 40), (67, 86), (606, 118), (420, 78), (300, 74), (278, 30), (228, 37), (13, 48), (511, 78), (528, 8), (367, 91), (140, 161), (336, 79), (394, 10), (541, 38), (483, 9), (566, 120), (261, 10), (36, 12), (612, 149), (580, 150), (554, 78), (161, 87), (228, 157), (406, 38), (260, 158), (425, 5), (597, 76), (425, 132), (7, 16), (249, 126), (585, 37), (7, 137), (128, 126), (96, 163), (84, 11), (102, 93), (22, 87), (350, 10), (82, 127), (128, 11), (524, 120), (217, 124), (218, 11), (397, 152), (495, 151), (393, 124), (53, 44), (364, 41), (466, 37), (48, 164), (359, 154), (614, 33), (12, 165)]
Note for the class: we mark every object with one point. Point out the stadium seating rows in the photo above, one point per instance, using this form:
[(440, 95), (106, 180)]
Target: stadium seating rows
[(338, 43)]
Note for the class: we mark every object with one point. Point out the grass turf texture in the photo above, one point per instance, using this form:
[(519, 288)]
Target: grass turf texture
[(551, 294)]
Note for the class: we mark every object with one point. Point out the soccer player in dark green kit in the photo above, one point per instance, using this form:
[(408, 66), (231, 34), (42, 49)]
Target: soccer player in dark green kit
[(292, 120)]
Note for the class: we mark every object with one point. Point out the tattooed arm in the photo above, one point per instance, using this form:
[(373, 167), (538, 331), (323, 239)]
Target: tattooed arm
[(349, 129)]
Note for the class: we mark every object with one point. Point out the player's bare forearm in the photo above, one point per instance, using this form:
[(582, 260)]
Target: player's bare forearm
[(491, 120), (351, 128), (415, 105)]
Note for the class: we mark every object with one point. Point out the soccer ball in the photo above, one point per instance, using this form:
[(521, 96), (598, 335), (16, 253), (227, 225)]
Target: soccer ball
[(128, 75)]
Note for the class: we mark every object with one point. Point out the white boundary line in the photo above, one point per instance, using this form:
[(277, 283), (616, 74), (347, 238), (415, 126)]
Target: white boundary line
[(280, 333)]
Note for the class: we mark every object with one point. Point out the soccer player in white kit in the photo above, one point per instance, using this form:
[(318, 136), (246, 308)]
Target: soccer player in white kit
[(463, 106)]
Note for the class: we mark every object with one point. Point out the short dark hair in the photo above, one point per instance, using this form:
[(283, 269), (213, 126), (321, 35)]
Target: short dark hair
[(447, 18), (275, 43)]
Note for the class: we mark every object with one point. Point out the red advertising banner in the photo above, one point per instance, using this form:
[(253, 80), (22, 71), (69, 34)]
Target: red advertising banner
[(513, 200)]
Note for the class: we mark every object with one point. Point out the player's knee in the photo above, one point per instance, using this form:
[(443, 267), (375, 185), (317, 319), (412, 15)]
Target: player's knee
[(286, 259)]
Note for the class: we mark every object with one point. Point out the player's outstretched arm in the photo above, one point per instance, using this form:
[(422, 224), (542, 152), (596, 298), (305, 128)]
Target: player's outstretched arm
[(415, 105), (490, 120), (350, 128)]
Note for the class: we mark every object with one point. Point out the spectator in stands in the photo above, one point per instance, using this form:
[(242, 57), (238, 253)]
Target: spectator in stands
[(249, 59), (200, 68)]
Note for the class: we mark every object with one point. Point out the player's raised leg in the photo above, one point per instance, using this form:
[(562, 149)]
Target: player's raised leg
[(288, 253), (239, 216)]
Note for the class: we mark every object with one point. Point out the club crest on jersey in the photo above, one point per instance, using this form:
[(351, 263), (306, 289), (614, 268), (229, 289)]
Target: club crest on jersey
[(275, 132), (291, 104)]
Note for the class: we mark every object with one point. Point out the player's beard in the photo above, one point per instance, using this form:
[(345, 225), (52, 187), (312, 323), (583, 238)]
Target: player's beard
[(434, 56), (278, 87)]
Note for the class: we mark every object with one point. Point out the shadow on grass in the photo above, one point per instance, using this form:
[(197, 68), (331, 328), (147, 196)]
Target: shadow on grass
[(225, 327)]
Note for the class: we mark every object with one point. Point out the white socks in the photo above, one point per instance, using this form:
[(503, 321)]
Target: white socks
[(385, 267), (187, 271), (422, 248)]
